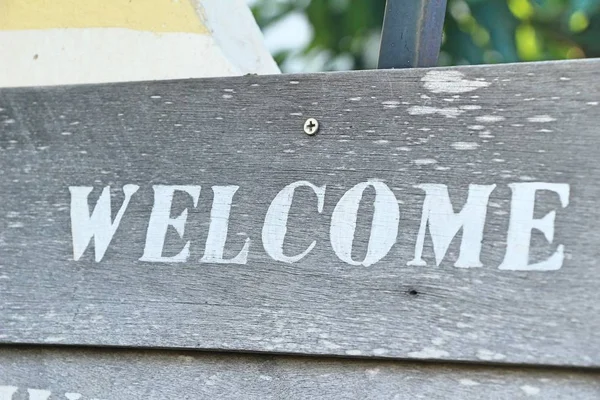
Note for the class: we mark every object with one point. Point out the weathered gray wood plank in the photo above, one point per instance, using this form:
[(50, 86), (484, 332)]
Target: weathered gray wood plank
[(530, 126), (132, 375)]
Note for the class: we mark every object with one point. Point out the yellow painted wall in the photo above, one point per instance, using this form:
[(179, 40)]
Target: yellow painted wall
[(143, 15)]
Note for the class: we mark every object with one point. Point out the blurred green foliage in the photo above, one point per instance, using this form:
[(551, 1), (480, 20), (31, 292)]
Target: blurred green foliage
[(475, 31)]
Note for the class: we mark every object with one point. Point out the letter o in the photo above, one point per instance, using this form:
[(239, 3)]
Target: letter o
[(384, 228)]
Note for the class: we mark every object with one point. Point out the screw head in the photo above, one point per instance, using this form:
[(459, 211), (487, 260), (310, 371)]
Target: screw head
[(311, 126)]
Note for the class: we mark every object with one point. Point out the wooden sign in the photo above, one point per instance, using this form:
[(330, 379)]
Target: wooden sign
[(443, 214)]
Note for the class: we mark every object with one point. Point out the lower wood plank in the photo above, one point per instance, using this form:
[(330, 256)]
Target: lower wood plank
[(82, 374)]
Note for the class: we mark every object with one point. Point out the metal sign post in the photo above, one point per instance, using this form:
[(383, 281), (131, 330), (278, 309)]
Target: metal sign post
[(412, 33)]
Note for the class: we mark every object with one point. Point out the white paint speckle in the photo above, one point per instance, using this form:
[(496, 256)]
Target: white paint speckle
[(294, 82), (476, 127), (355, 98), (390, 104), (155, 97), (7, 392), (468, 382), (530, 390), (450, 82), (541, 118), (470, 107), (488, 355), (425, 161), (592, 103), (465, 145), (562, 78), (490, 118), (37, 394), (54, 339), (353, 352), (450, 112), (227, 96), (380, 352), (430, 353)]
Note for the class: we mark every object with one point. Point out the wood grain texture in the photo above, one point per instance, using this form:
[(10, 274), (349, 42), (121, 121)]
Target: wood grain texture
[(477, 125), (156, 375)]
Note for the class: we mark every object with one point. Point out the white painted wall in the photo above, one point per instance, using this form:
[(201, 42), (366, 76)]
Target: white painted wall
[(230, 44)]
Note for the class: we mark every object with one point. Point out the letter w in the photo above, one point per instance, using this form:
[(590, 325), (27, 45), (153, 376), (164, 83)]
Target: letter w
[(99, 224), (444, 224)]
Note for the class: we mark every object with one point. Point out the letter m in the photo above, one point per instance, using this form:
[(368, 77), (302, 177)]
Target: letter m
[(97, 225), (444, 224)]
